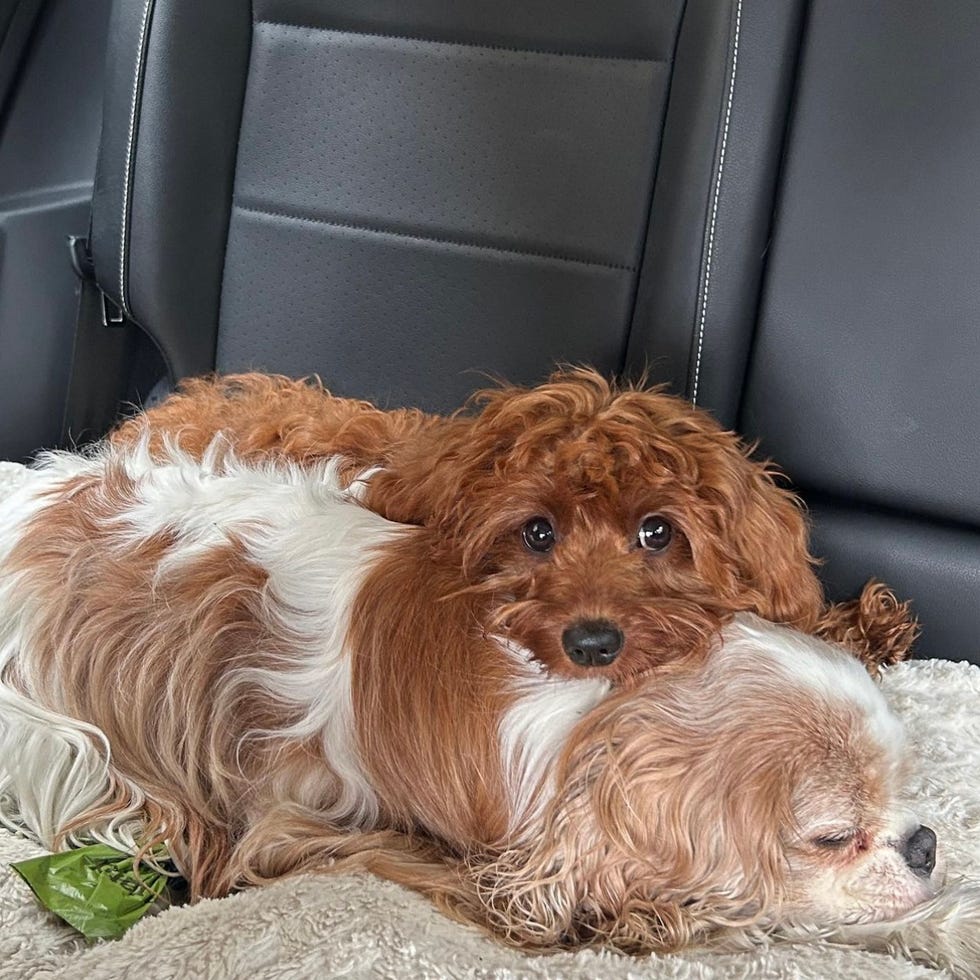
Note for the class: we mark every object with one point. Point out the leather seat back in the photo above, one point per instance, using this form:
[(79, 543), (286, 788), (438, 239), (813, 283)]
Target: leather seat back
[(408, 197), (398, 196), (859, 372)]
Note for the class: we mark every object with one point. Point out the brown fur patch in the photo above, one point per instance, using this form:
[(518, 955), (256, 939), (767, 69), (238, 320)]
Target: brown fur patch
[(271, 415), (876, 626), (424, 672)]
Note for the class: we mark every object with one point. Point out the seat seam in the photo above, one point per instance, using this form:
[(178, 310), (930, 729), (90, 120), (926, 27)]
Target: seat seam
[(130, 146), (437, 240), (706, 282), (463, 44)]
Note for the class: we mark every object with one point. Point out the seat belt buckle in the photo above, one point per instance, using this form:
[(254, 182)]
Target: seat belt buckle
[(112, 315), (84, 267)]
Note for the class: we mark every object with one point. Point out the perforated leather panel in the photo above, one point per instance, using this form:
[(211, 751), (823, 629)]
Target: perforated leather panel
[(474, 203)]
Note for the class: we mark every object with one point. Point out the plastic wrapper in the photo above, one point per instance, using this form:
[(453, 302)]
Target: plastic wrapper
[(96, 888)]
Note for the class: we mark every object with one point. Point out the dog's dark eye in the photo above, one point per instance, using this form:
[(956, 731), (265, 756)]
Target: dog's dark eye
[(655, 533), (538, 535)]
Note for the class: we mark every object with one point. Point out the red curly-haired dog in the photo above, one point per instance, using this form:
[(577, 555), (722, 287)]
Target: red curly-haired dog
[(606, 529)]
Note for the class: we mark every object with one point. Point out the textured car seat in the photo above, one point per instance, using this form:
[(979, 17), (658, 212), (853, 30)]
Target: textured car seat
[(769, 204), (857, 371), (403, 195)]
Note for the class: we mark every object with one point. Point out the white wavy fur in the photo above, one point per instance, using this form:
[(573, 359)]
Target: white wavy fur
[(52, 768)]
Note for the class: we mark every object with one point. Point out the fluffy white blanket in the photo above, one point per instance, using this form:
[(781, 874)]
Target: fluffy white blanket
[(358, 927)]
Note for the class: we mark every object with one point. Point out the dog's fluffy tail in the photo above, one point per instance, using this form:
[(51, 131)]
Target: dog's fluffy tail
[(54, 771)]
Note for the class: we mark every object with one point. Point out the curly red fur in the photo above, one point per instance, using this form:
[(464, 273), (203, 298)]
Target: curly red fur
[(592, 457), (270, 415), (876, 625)]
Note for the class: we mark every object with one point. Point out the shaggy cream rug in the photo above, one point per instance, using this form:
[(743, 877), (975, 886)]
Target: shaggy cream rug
[(360, 927)]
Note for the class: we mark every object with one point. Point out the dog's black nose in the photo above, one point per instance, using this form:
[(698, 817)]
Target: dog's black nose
[(593, 643), (919, 851)]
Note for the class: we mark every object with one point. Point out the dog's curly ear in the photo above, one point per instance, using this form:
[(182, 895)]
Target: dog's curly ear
[(776, 557), (426, 478), (754, 541), (665, 830), (757, 551)]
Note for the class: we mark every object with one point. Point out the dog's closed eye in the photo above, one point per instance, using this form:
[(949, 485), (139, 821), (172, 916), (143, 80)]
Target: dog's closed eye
[(835, 841)]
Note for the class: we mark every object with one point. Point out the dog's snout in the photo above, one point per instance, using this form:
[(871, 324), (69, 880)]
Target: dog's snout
[(593, 643), (919, 851)]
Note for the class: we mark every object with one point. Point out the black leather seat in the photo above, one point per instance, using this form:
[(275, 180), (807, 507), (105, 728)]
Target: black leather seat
[(392, 194), (769, 203), (863, 380), (857, 372)]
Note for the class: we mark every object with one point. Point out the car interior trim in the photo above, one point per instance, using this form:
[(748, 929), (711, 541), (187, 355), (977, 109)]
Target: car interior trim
[(512, 49), (433, 239), (710, 244), (130, 150)]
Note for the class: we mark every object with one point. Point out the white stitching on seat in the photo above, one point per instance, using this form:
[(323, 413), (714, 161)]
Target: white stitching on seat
[(703, 297), (130, 143)]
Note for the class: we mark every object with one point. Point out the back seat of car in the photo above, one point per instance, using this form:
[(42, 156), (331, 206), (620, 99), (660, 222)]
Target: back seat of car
[(771, 205)]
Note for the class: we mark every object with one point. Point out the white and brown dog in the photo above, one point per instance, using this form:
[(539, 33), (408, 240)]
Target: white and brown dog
[(243, 662)]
